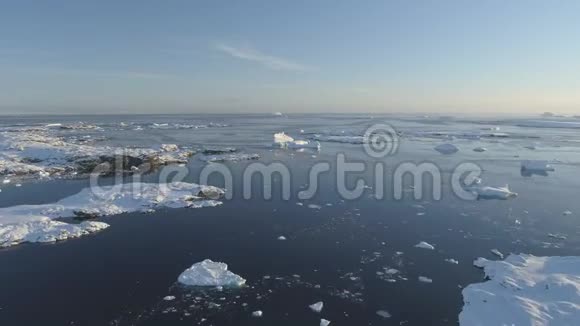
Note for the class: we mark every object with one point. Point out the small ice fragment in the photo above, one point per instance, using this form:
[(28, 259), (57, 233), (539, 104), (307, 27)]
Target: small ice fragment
[(281, 238), (425, 245), (257, 314), (6, 181), (425, 279), (494, 192), (480, 149), (324, 322), (317, 307), (447, 149), (18, 185), (452, 261), (169, 298), (383, 313), (497, 253), (314, 206), (567, 213)]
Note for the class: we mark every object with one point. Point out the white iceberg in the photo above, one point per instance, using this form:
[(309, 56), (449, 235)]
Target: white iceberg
[(384, 314), (209, 273), (424, 279), (425, 245), (524, 290), (497, 253), (480, 149), (257, 314), (324, 322), (447, 149)]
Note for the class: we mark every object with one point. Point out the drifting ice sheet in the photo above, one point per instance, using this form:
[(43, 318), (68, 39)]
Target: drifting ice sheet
[(209, 273), (524, 290), (32, 223)]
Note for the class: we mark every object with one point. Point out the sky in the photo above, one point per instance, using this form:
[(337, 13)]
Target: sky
[(440, 56)]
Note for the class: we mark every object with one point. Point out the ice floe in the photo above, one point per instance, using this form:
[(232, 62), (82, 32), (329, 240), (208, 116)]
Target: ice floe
[(452, 261), (447, 149), (209, 273), (424, 279), (32, 223), (497, 253), (324, 322), (383, 313), (43, 229), (425, 245), (480, 149), (488, 192), (317, 307), (40, 152), (285, 141), (524, 290), (257, 314)]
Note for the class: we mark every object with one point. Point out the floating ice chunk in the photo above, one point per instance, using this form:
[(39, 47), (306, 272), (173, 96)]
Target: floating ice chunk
[(384, 314), (281, 138), (281, 238), (425, 245), (43, 229), (539, 166), (6, 181), (525, 290), (424, 279), (314, 206), (452, 261), (317, 307), (480, 149), (487, 192), (209, 273), (257, 314), (169, 298), (497, 253), (324, 322), (567, 213), (447, 149)]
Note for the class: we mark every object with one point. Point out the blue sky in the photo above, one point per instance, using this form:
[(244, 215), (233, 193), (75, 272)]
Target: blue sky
[(516, 56)]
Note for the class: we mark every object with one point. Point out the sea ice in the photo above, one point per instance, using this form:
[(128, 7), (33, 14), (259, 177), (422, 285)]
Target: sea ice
[(43, 229), (317, 307), (232, 157), (487, 192), (480, 149), (524, 290), (425, 245), (424, 279), (257, 314), (497, 253), (209, 273), (324, 322), (281, 238), (32, 223), (452, 261), (285, 141), (384, 314)]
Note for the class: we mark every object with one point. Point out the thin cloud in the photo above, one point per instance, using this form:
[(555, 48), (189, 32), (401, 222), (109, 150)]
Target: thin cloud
[(252, 55)]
